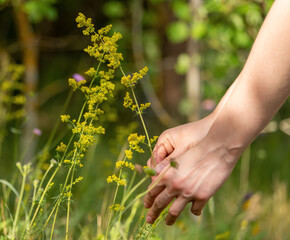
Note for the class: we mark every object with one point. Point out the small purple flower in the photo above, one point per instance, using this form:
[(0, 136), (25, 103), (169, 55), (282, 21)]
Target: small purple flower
[(78, 77), (37, 131)]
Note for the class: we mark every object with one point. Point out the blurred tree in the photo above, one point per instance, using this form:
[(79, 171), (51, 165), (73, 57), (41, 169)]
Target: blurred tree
[(26, 14)]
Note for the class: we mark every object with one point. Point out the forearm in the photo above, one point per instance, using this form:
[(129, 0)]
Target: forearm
[(263, 85)]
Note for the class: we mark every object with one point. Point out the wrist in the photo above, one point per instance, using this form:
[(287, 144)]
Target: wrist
[(229, 131)]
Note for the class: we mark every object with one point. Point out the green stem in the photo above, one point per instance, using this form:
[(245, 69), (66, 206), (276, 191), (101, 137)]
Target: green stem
[(149, 189), (141, 118), (68, 205), (115, 196), (127, 197), (59, 200), (18, 206), (42, 196)]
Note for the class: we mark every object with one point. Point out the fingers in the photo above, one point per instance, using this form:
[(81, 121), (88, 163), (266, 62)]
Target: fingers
[(175, 210), (151, 195), (163, 199), (197, 207), (164, 147)]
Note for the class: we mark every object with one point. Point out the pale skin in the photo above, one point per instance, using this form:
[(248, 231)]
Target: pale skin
[(207, 150)]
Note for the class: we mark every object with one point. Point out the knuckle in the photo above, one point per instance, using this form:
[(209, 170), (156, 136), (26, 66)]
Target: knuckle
[(187, 193), (202, 196), (166, 177), (164, 134), (177, 184)]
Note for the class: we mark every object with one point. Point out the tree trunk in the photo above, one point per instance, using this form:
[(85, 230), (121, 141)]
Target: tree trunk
[(29, 43), (193, 78)]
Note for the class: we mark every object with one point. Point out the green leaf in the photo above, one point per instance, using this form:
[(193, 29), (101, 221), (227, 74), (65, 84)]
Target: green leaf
[(199, 29), (242, 39), (183, 63), (4, 182), (181, 10), (114, 9), (39, 10), (178, 32), (237, 21)]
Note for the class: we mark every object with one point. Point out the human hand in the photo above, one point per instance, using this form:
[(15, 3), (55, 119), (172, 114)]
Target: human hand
[(200, 172), (175, 141)]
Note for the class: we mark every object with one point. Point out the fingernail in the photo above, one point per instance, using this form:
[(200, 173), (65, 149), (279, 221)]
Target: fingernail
[(159, 168), (149, 219)]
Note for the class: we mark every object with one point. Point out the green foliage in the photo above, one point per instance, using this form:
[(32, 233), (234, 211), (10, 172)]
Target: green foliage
[(181, 10), (114, 9), (38, 10), (178, 31)]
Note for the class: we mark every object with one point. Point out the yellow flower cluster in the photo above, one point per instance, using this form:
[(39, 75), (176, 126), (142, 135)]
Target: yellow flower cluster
[(116, 179), (11, 92), (74, 84), (128, 102), (144, 106), (130, 81), (154, 139), (85, 22), (65, 118), (77, 180), (117, 207), (129, 154), (61, 147), (91, 72), (134, 142), (104, 48), (121, 164)]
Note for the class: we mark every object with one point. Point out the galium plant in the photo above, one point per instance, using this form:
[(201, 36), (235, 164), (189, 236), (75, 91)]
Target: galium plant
[(36, 215), (12, 98)]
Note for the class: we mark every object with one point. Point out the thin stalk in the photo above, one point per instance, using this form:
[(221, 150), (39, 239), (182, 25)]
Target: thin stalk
[(141, 118), (142, 229), (149, 189), (127, 197), (59, 200), (68, 205), (18, 206), (132, 180), (43, 194), (114, 199), (3, 218)]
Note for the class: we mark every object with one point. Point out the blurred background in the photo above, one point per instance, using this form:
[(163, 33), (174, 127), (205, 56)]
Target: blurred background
[(194, 50)]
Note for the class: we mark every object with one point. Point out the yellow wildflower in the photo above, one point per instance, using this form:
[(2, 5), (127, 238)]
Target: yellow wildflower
[(120, 164), (91, 72), (134, 141), (144, 106), (65, 118), (129, 154), (130, 81), (117, 207), (61, 147), (154, 139), (116, 179)]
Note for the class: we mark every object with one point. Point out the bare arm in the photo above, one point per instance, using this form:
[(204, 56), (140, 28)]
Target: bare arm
[(264, 83), (253, 99)]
